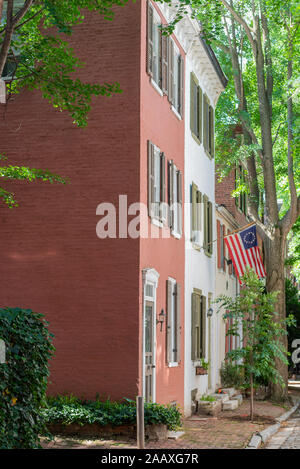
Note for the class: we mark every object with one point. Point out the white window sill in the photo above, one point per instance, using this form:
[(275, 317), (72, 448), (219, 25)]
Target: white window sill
[(156, 87), (157, 222), (172, 364), (176, 113), (176, 235)]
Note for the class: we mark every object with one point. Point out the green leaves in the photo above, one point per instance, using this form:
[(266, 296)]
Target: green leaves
[(252, 316), (69, 409), (23, 378), (26, 174)]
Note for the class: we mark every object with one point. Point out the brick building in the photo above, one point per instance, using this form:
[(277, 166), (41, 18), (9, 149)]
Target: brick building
[(116, 304)]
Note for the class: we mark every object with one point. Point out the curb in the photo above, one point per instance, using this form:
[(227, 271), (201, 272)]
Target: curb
[(263, 436)]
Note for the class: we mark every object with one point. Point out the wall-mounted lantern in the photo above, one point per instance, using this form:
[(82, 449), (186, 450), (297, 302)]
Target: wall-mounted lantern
[(161, 319)]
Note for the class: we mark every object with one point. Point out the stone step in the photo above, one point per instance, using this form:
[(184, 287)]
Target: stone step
[(238, 397), (230, 405), (209, 407), (229, 391)]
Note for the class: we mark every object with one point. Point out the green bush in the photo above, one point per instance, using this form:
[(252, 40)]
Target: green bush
[(69, 409), (23, 378), (232, 375)]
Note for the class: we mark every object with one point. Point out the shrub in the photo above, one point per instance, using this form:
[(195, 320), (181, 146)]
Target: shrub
[(69, 409), (207, 398), (232, 375), (23, 378)]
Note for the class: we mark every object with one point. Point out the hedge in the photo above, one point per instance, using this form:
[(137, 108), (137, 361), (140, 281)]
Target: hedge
[(23, 377), (69, 409)]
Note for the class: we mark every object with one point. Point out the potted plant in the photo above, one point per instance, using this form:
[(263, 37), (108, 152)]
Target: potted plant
[(202, 369)]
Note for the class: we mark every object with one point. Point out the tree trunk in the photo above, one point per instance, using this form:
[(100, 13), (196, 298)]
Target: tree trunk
[(251, 398), (274, 250)]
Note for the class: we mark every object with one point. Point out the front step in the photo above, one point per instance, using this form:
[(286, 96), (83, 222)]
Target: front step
[(230, 405)]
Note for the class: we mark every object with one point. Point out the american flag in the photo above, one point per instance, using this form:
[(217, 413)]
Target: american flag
[(244, 252)]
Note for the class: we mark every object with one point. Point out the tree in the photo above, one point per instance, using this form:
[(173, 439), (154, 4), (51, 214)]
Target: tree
[(35, 54), (256, 42), (292, 308), (252, 313)]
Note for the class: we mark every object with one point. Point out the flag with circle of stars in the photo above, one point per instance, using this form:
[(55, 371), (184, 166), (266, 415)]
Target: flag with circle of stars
[(244, 252)]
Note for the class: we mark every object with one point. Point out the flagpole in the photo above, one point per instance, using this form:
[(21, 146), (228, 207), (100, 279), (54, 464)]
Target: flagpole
[(232, 232), (240, 229)]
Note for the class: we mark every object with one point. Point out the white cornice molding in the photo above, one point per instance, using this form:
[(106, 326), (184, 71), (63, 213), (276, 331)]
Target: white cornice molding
[(187, 31), (224, 212), (150, 275)]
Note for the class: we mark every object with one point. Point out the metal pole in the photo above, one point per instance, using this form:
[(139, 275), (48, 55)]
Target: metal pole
[(140, 435)]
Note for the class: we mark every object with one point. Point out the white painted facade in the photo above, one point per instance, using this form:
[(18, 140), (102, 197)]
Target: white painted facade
[(199, 267), (200, 170), (227, 284)]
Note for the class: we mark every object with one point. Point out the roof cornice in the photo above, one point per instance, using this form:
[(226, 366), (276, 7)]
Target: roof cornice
[(205, 64)]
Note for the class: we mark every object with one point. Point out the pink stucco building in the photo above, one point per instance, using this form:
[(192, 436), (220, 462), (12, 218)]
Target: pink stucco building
[(114, 303)]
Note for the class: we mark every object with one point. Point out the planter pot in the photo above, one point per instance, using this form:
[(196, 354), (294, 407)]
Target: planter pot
[(200, 370), (152, 432), (209, 407)]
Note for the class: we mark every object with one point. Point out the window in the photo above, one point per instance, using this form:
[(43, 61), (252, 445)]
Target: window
[(196, 199), (176, 75), (164, 62), (198, 325), (221, 246), (156, 183), (208, 226), (173, 322), (196, 109), (240, 179), (208, 127), (230, 265), (175, 198)]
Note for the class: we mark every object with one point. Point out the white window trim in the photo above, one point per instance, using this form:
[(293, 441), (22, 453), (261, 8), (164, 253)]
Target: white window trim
[(172, 364), (176, 113), (174, 233), (157, 222), (156, 87), (151, 277)]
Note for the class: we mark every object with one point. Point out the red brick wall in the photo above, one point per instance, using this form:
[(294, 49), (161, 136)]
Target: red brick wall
[(51, 259), (224, 190)]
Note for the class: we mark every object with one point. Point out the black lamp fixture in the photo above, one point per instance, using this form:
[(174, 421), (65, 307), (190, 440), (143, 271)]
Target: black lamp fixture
[(210, 312), (228, 261), (161, 319)]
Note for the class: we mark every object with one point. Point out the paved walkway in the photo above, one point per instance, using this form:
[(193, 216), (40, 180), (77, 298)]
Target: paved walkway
[(231, 429), (288, 436)]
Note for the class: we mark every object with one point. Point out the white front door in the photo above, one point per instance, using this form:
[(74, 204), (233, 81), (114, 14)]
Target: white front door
[(149, 356)]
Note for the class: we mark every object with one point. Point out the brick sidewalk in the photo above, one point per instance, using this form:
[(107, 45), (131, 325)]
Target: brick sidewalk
[(230, 430)]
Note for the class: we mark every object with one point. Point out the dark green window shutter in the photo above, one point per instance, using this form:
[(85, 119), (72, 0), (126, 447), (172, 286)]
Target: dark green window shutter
[(181, 85), (200, 113), (210, 227), (205, 123), (194, 327), (169, 322), (212, 131), (203, 326), (194, 211)]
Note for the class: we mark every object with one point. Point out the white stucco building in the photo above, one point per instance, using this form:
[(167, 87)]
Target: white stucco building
[(227, 284), (204, 82)]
